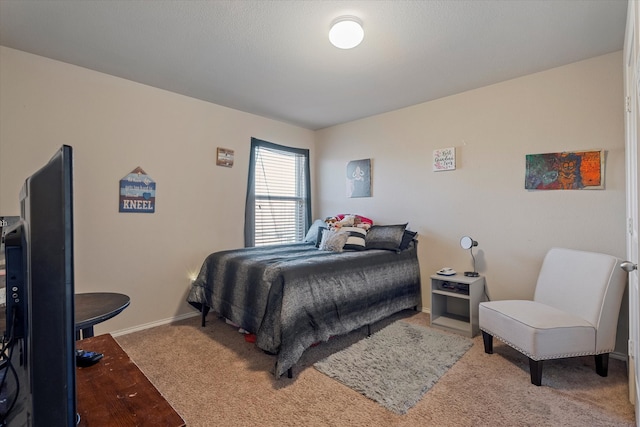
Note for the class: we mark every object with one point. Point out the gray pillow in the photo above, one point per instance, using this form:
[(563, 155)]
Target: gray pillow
[(385, 237), (407, 238), (333, 241)]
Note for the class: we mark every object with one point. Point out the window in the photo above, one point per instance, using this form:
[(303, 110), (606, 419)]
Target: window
[(278, 208)]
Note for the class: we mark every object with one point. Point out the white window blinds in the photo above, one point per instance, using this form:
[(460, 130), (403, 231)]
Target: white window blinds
[(280, 199)]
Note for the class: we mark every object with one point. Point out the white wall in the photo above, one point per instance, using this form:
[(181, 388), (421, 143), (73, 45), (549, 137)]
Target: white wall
[(575, 107), (115, 125)]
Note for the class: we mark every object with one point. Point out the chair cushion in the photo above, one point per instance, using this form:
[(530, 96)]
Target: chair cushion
[(537, 330)]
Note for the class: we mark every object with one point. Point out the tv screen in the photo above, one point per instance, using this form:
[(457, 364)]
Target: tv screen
[(37, 373)]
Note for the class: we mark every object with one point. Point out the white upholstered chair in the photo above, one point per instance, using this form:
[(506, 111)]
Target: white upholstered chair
[(574, 311)]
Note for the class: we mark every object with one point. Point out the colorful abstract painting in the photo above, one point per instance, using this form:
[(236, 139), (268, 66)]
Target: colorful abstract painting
[(579, 170)]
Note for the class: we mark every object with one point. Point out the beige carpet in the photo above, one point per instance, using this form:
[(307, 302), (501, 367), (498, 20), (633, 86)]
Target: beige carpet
[(213, 377)]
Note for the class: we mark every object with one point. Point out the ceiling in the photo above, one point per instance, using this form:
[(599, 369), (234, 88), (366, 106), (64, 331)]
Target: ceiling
[(274, 59)]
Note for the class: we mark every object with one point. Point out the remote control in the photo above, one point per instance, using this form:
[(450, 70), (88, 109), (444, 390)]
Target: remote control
[(87, 358)]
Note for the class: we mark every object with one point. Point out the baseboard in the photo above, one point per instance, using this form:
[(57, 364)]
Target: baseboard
[(154, 324), (619, 356)]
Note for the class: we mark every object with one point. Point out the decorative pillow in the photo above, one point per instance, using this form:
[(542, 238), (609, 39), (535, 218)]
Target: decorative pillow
[(385, 237), (407, 238), (312, 234), (355, 241), (358, 220), (347, 221), (321, 230), (333, 241)]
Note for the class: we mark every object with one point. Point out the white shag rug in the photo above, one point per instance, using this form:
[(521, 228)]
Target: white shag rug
[(397, 365)]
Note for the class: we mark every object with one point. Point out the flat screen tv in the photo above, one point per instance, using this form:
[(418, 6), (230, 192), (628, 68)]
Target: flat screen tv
[(37, 369)]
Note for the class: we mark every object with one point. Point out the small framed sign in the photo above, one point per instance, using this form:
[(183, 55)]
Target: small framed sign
[(444, 159), (137, 192), (224, 157)]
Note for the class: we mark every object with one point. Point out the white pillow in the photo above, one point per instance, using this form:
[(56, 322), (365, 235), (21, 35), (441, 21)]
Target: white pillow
[(333, 240)]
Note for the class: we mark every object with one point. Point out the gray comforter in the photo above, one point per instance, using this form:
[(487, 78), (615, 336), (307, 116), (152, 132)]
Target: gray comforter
[(294, 295)]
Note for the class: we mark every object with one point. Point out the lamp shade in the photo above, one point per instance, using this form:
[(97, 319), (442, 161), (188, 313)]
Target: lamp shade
[(467, 242), (346, 32)]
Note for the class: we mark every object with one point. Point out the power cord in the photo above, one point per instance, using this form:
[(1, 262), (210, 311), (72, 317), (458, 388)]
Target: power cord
[(6, 365)]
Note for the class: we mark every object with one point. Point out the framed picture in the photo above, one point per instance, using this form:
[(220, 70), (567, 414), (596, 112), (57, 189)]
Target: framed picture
[(359, 178), (224, 157), (575, 170), (137, 192), (444, 159)]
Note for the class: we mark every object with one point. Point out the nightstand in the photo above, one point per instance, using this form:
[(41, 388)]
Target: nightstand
[(454, 303)]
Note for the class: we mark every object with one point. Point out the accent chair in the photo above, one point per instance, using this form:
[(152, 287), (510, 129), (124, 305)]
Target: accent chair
[(574, 311)]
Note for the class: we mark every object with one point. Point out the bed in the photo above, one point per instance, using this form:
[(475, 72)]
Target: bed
[(294, 295)]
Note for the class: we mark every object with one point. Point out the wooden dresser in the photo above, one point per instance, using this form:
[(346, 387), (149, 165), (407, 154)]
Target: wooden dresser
[(115, 392)]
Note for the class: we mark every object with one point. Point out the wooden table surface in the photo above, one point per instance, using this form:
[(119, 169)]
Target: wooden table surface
[(89, 310), (96, 307), (115, 392)]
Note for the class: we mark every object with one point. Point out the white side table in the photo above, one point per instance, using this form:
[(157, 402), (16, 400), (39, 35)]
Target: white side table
[(454, 303)]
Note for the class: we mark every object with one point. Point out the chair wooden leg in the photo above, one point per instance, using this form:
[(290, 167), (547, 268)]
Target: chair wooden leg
[(602, 364), (535, 366), (488, 342)]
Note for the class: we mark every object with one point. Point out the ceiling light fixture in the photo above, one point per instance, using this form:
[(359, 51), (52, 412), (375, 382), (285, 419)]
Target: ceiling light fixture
[(346, 32)]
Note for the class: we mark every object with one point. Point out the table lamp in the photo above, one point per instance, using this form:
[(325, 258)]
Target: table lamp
[(468, 243)]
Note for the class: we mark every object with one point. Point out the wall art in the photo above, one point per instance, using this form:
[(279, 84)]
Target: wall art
[(576, 170), (224, 157), (137, 192), (359, 178), (444, 159)]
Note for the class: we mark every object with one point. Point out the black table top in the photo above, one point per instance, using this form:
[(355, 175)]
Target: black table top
[(90, 308), (95, 307)]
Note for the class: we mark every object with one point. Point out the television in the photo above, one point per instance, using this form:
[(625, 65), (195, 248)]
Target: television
[(37, 368)]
